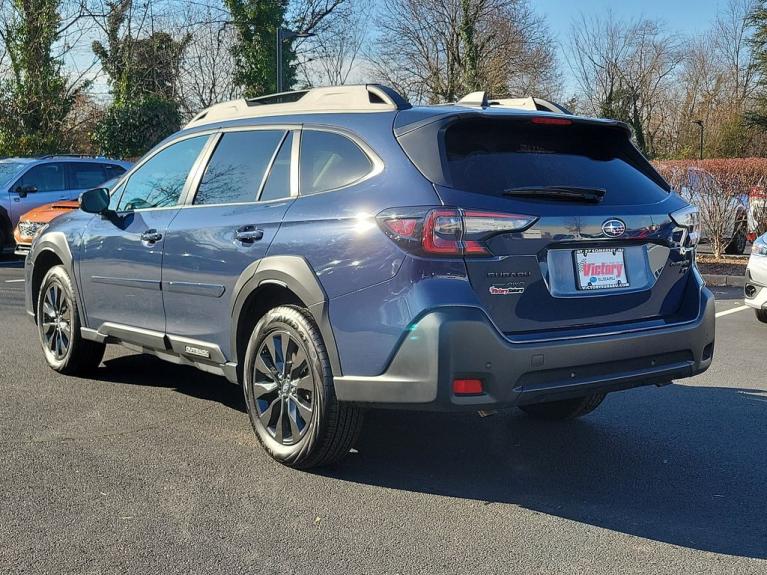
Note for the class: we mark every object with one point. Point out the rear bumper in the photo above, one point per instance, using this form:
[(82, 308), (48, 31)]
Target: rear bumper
[(461, 343)]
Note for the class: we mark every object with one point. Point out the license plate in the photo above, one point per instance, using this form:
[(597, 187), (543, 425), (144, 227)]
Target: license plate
[(600, 269)]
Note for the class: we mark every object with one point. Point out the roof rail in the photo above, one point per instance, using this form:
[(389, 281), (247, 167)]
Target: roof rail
[(49, 156), (480, 99), (355, 98)]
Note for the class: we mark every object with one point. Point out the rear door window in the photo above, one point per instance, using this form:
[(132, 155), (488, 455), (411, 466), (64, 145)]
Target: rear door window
[(489, 156), (237, 167), (278, 182), (84, 176), (330, 161)]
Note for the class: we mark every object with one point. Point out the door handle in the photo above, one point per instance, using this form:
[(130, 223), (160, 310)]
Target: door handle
[(248, 234), (151, 236)]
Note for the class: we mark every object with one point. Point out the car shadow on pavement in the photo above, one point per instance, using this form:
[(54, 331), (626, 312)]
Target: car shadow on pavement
[(150, 371), (682, 465), (727, 293)]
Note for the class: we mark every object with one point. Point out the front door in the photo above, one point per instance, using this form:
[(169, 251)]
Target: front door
[(237, 209), (121, 258)]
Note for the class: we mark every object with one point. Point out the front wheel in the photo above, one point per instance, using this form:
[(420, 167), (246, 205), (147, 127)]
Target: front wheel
[(288, 385), (565, 408), (58, 325), (761, 315)]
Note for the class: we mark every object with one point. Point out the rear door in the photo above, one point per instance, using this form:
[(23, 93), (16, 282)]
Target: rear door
[(235, 212), (584, 262)]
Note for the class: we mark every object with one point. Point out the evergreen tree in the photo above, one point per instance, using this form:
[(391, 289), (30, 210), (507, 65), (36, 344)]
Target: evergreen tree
[(36, 98), (255, 52)]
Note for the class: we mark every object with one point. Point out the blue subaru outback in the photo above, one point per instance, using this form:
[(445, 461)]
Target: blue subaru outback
[(336, 249)]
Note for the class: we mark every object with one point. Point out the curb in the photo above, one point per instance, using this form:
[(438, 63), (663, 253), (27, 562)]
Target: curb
[(715, 280)]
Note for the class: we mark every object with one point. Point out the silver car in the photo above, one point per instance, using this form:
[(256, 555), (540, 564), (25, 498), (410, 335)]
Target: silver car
[(756, 278)]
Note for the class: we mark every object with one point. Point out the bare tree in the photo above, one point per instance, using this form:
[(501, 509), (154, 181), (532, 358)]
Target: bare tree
[(335, 52), (207, 68), (731, 34), (625, 70), (438, 50)]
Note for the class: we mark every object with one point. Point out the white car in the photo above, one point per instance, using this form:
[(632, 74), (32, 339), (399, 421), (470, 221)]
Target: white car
[(756, 278)]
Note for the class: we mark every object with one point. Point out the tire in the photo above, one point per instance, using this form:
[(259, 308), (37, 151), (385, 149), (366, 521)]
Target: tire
[(761, 315), (738, 242), (58, 326), (290, 395), (565, 408)]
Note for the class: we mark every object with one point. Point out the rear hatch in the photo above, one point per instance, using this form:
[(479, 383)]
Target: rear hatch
[(603, 249)]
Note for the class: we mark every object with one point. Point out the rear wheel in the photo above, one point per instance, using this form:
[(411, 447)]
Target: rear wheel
[(761, 315), (58, 325), (288, 384), (738, 242), (565, 408)]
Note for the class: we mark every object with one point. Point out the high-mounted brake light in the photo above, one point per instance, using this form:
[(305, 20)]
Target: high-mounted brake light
[(551, 121), (449, 231)]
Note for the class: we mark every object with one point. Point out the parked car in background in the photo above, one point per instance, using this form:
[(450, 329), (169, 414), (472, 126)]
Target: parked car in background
[(757, 212), (27, 183), (756, 278), (31, 223), (702, 190), (336, 249)]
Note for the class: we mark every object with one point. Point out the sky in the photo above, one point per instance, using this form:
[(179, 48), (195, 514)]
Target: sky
[(687, 17)]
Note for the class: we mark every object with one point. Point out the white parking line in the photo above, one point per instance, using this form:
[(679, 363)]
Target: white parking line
[(14, 281), (733, 310)]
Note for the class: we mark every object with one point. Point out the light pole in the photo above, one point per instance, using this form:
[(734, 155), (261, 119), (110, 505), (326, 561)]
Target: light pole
[(282, 35), (700, 125)]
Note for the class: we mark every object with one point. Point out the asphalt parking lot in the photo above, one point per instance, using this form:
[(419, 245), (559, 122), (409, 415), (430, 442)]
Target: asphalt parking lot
[(152, 468)]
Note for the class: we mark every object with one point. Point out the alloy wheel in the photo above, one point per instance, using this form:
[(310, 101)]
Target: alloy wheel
[(283, 387), (57, 321)]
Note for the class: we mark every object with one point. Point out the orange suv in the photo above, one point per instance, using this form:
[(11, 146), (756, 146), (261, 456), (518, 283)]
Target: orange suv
[(32, 222)]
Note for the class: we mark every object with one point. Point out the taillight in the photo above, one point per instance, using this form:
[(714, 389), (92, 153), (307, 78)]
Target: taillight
[(449, 231), (688, 218)]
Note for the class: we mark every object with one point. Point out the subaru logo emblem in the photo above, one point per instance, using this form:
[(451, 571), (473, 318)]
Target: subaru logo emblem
[(613, 228)]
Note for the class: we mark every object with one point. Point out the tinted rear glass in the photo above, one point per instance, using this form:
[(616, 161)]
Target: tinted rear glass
[(85, 176), (490, 156)]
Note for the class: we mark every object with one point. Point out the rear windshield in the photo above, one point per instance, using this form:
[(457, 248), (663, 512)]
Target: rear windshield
[(490, 156)]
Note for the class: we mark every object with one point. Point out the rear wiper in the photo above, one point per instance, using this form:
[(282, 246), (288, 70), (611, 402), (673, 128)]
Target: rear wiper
[(566, 193)]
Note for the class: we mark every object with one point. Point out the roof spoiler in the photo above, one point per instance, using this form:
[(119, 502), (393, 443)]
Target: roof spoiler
[(480, 99)]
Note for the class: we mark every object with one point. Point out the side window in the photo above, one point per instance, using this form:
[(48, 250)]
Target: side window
[(278, 183), (45, 177), (237, 167), (85, 176), (113, 171), (330, 161), (160, 181)]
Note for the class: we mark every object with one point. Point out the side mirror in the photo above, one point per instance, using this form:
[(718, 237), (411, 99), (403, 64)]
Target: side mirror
[(95, 201), (24, 190)]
